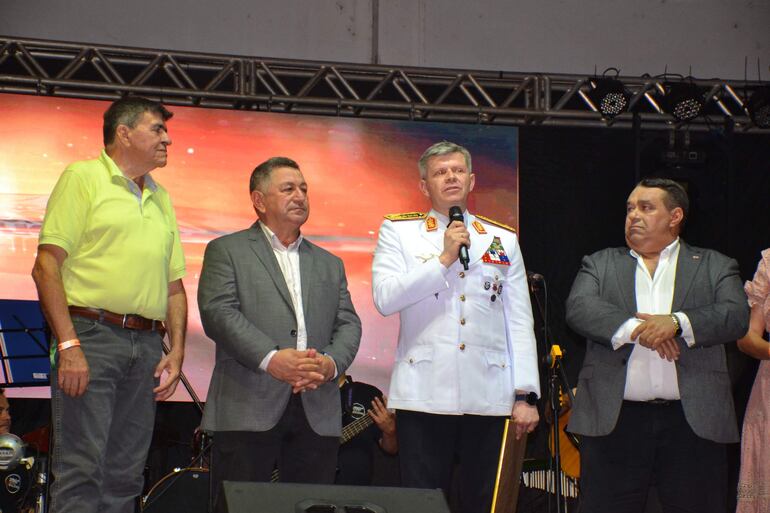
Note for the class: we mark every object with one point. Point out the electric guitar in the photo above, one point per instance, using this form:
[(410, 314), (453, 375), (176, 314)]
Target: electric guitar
[(355, 428)]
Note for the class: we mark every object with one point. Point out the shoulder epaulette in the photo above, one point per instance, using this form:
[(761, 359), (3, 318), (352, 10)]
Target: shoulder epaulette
[(496, 223), (406, 216)]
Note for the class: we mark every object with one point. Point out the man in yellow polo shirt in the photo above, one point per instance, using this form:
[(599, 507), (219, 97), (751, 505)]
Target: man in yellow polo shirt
[(108, 273)]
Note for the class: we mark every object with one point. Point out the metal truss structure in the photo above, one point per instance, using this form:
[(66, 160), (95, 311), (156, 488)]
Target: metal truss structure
[(76, 70)]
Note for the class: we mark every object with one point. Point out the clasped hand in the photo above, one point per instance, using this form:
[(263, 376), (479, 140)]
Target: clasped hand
[(657, 332), (303, 370)]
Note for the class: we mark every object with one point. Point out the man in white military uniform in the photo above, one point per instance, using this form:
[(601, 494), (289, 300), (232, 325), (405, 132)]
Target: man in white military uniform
[(466, 357)]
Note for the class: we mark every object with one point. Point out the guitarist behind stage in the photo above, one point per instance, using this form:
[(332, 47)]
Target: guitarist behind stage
[(356, 455)]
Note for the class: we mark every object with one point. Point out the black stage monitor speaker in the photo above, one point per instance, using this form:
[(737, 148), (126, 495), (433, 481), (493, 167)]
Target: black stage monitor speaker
[(244, 497)]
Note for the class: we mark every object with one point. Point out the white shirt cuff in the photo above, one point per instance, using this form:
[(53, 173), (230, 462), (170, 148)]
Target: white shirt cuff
[(333, 363), (623, 335), (266, 360), (684, 323), (445, 270)]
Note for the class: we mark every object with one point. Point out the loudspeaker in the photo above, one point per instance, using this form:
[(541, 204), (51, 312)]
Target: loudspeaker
[(246, 497)]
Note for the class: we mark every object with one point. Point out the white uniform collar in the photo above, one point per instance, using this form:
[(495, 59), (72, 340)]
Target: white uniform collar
[(443, 220)]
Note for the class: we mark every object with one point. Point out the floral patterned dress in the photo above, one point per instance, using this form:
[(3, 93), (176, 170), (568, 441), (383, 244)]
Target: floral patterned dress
[(754, 483)]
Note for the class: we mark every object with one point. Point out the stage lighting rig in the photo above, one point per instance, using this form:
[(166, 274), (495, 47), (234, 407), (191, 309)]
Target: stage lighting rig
[(759, 107), (609, 95), (683, 100)]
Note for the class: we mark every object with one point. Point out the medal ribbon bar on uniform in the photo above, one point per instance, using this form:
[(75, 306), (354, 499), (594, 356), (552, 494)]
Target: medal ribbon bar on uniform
[(496, 253)]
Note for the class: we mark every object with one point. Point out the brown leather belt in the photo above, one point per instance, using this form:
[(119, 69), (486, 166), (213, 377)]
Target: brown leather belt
[(128, 321)]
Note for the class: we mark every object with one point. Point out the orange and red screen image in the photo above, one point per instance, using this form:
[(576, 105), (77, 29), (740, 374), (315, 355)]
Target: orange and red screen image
[(357, 171)]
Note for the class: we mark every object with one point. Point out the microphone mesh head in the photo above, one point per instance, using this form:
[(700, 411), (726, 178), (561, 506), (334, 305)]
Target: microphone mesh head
[(455, 214)]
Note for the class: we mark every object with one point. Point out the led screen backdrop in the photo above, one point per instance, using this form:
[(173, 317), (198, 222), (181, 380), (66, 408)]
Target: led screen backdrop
[(357, 171)]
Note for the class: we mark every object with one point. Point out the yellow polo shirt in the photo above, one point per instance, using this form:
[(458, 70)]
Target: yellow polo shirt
[(122, 244)]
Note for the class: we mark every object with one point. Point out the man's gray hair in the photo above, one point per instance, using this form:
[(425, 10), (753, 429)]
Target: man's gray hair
[(260, 177), (127, 111), (442, 148)]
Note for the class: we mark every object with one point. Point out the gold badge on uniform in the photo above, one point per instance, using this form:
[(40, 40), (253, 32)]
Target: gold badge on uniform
[(431, 224), (479, 228)]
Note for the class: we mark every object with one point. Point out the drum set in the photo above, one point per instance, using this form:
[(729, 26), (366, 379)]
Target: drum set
[(183, 489), (24, 476)]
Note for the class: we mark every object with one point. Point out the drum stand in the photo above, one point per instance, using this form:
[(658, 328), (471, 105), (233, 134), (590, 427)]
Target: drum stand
[(205, 439), (186, 383), (557, 385)]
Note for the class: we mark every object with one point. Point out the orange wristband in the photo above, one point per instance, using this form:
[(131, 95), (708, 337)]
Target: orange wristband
[(68, 343)]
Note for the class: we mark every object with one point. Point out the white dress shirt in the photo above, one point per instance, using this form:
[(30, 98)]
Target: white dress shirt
[(288, 261), (648, 376)]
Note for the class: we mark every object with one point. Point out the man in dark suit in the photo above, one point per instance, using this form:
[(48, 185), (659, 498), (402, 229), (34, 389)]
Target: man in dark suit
[(279, 310), (653, 402)]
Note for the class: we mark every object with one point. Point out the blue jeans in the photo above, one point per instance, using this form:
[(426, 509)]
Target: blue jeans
[(101, 438)]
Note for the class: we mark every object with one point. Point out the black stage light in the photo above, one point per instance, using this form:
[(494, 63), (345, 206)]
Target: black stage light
[(610, 95), (759, 107), (683, 101)]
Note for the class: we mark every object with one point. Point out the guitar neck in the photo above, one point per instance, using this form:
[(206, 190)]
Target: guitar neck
[(355, 428), (349, 432)]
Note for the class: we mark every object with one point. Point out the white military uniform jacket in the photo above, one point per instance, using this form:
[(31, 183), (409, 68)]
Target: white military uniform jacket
[(466, 340)]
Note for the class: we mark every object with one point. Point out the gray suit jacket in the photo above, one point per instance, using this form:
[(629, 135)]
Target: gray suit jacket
[(708, 290), (247, 311)]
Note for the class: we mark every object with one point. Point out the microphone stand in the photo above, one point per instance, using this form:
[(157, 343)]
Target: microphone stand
[(557, 383)]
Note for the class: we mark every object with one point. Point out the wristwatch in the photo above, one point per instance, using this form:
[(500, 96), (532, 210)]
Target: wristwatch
[(530, 398), (675, 319)]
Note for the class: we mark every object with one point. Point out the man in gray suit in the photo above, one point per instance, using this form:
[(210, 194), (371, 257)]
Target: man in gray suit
[(278, 309), (653, 402)]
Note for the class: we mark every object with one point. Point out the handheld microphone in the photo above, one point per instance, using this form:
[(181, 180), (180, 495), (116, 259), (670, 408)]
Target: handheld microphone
[(535, 281), (534, 277), (456, 214)]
